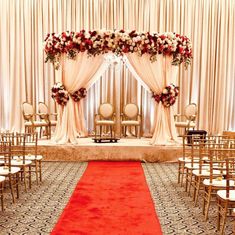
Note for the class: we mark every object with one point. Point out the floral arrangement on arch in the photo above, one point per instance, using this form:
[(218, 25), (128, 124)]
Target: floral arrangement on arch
[(61, 95), (119, 42), (168, 95)]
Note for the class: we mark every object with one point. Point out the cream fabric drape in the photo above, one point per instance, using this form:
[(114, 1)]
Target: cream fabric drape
[(118, 86), (210, 24), (76, 74), (157, 76)]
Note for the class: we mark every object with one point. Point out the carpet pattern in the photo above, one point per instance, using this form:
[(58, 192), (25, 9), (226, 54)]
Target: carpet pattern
[(174, 207), (36, 211)]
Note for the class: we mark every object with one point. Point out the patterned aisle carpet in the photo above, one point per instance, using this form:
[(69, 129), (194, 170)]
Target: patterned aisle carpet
[(174, 207), (36, 211)]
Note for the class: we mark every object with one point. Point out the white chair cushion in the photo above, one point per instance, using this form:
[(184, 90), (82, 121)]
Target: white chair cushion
[(30, 157), (2, 178), (36, 123), (5, 171), (184, 124), (187, 160), (196, 166), (105, 122), (19, 162), (222, 194), (218, 183), (130, 122), (205, 172)]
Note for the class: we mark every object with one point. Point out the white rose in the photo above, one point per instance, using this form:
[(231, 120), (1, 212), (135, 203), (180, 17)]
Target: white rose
[(165, 91)]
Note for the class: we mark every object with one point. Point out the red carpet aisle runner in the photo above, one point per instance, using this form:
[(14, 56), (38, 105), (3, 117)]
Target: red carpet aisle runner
[(112, 198)]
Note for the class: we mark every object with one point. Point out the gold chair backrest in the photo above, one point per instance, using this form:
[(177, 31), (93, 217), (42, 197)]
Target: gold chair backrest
[(106, 110), (131, 111)]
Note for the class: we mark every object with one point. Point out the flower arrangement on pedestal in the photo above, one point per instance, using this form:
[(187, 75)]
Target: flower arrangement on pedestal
[(61, 95), (119, 42), (168, 95)]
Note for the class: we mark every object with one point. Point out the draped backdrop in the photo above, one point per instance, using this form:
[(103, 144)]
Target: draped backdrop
[(209, 82)]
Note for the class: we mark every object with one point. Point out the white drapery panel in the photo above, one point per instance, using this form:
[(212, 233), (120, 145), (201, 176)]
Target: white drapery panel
[(119, 87), (157, 76), (76, 74), (210, 24)]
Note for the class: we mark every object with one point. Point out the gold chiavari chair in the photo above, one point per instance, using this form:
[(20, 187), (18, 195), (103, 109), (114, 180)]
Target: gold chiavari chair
[(200, 174), (226, 197), (10, 172), (197, 161), (213, 184), (18, 156), (2, 180), (186, 158), (206, 141), (31, 144)]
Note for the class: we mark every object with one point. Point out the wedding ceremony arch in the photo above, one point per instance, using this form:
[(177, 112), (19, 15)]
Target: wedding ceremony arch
[(79, 58)]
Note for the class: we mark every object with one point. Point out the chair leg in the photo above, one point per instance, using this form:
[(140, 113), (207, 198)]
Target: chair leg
[(40, 171), (224, 217), (2, 196), (36, 170), (207, 201), (198, 184), (11, 187), (30, 177), (17, 185), (24, 176)]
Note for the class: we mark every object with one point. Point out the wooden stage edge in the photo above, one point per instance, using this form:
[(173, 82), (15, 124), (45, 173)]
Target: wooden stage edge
[(124, 150)]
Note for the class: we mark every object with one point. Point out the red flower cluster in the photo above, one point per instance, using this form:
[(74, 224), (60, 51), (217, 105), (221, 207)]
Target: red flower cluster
[(118, 42), (61, 96), (168, 95), (78, 95)]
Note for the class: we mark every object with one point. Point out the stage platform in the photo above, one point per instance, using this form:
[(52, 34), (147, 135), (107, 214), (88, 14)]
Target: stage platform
[(124, 150)]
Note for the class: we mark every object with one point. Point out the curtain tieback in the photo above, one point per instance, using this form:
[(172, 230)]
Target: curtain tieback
[(61, 95), (167, 96)]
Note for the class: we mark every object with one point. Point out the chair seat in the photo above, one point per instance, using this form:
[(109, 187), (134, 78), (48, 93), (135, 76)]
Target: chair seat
[(18, 162), (130, 122), (30, 157), (218, 183), (36, 123), (105, 122), (206, 172), (187, 160), (222, 194), (185, 124), (2, 178), (196, 166), (5, 171)]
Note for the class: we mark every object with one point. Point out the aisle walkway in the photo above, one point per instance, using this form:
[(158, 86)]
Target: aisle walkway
[(111, 198)]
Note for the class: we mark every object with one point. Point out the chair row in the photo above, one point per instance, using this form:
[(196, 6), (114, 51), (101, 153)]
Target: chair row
[(208, 166), (19, 159), (31, 121)]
